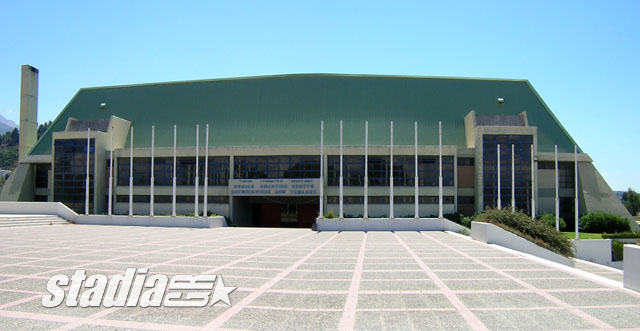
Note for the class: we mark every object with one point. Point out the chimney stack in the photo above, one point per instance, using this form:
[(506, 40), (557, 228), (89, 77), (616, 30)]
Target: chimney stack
[(28, 110)]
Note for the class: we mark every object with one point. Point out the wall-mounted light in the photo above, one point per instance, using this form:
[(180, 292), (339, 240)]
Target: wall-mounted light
[(103, 105), (500, 100)]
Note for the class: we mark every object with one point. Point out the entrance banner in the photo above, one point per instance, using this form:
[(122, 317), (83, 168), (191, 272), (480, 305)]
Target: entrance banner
[(274, 187)]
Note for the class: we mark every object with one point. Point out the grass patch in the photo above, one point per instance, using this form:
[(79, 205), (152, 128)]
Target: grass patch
[(583, 235)]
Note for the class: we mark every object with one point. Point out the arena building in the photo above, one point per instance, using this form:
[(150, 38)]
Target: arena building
[(263, 149)]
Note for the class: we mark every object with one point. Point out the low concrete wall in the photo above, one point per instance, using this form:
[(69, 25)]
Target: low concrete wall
[(593, 250), (164, 221), (631, 274), (37, 208), (386, 224), (492, 234)]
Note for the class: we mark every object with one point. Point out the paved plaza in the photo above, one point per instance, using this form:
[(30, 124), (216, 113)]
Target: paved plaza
[(300, 279)]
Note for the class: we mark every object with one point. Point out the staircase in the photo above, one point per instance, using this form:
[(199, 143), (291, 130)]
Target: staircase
[(30, 220)]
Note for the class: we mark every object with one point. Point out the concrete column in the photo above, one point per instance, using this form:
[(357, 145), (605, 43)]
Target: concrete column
[(28, 110), (321, 209), (152, 181), (391, 173), (575, 171), (195, 213), (86, 188), (131, 176), (415, 179), (533, 187), (440, 207), (173, 194), (206, 173), (366, 169), (110, 202), (557, 192), (513, 179), (341, 178), (499, 191)]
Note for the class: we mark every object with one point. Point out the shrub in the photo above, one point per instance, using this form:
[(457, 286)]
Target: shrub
[(599, 222), (551, 220), (466, 220), (539, 233), (329, 214), (621, 235), (617, 249), (456, 218)]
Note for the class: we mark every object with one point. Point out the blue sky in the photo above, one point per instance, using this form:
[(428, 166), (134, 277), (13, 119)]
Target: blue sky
[(581, 56)]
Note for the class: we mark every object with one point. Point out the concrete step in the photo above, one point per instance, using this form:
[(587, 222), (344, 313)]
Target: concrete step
[(30, 220)]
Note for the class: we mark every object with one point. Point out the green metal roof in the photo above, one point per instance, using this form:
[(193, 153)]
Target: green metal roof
[(287, 109)]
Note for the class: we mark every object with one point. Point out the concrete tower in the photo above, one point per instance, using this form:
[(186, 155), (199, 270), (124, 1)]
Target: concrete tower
[(28, 110)]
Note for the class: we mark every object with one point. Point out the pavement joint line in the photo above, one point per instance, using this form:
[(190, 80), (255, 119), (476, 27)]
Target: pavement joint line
[(22, 291), (140, 325), (405, 309), (305, 292), (86, 319), (472, 320), (603, 268), (232, 311), (20, 301), (79, 323), (37, 316), (576, 311), (348, 319), (294, 309)]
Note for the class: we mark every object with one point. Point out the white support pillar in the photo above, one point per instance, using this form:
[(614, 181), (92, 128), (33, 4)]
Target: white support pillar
[(575, 171), (366, 169), (533, 187), (513, 179), (321, 197), (391, 173), (195, 213), (499, 182), (341, 215), (131, 175), (557, 193), (415, 178), (86, 188), (152, 181), (110, 202), (440, 207), (173, 194), (206, 174)]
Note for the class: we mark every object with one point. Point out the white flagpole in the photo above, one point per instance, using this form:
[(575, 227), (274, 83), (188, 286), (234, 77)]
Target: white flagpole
[(499, 192), (152, 181), (206, 174), (110, 207), (533, 188), (366, 169), (415, 178), (341, 178), (321, 197), (557, 193), (195, 213), (86, 192), (440, 207), (131, 176), (391, 174), (577, 220), (173, 201), (513, 180)]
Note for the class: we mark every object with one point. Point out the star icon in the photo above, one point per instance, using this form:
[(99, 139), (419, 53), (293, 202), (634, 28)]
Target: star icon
[(221, 293)]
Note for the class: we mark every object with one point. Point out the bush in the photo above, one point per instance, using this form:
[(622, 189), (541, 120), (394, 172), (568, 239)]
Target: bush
[(617, 249), (539, 233), (599, 222), (621, 235), (551, 220), (455, 218), (329, 214), (466, 220)]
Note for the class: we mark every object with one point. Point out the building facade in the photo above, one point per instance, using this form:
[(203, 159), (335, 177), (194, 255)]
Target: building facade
[(264, 157)]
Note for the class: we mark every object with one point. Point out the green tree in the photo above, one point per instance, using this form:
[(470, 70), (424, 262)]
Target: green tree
[(631, 200)]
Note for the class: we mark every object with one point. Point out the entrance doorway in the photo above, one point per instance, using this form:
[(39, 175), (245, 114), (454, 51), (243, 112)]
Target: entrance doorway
[(283, 212)]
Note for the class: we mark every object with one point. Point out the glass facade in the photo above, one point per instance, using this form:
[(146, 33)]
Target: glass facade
[(70, 172), (249, 167), (566, 172), (522, 166), (379, 166), (42, 174), (163, 171)]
